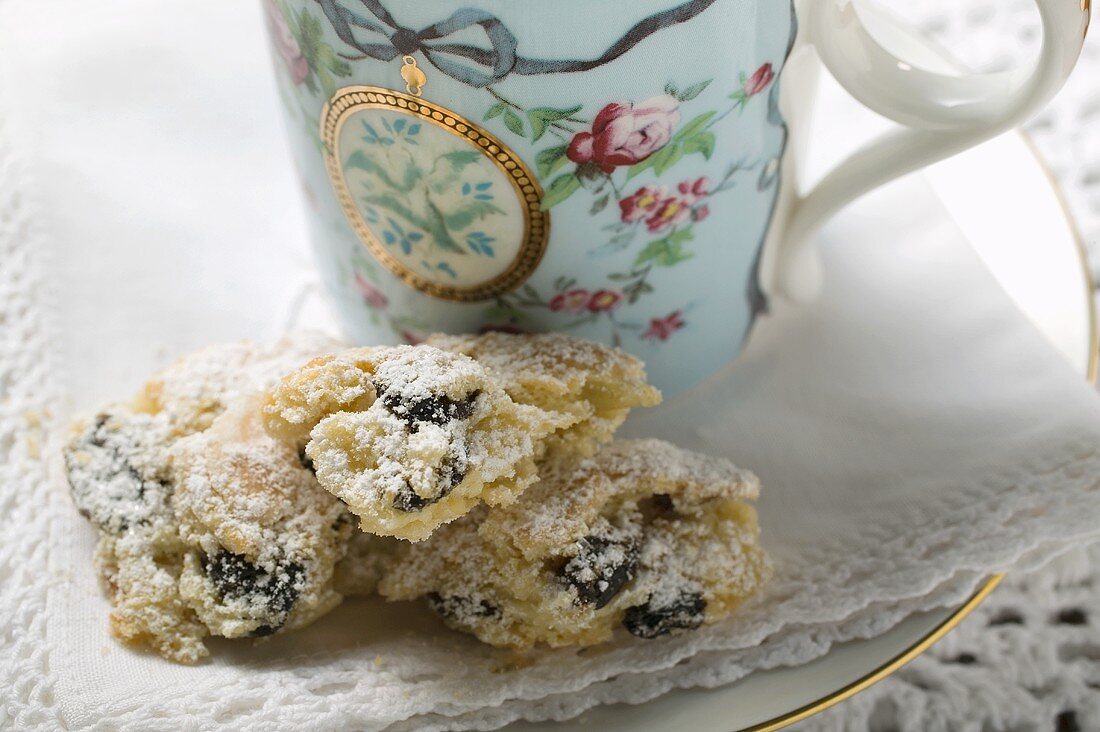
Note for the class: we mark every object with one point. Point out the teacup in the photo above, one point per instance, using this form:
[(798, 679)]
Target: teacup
[(622, 171)]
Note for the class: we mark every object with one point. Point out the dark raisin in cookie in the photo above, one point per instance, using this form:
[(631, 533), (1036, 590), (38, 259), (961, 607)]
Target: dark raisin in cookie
[(665, 612)]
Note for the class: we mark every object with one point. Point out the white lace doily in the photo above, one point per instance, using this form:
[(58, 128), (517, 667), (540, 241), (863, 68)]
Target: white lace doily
[(27, 393), (1029, 657)]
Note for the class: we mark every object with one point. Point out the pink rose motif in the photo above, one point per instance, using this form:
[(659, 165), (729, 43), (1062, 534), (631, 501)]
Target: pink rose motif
[(285, 43), (641, 203), (692, 191), (669, 212), (759, 80), (372, 296), (698, 214), (604, 300), (624, 134), (570, 301), (661, 329)]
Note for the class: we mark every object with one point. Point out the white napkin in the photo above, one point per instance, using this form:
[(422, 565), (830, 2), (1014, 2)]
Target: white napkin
[(913, 432)]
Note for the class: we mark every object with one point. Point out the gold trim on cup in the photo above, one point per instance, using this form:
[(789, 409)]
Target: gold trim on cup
[(536, 224)]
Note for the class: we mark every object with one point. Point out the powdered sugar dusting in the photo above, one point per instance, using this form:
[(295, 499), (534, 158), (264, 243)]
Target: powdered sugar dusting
[(558, 356), (423, 372)]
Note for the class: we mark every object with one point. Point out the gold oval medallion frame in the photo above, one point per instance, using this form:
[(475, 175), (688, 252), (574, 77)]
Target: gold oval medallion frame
[(536, 225)]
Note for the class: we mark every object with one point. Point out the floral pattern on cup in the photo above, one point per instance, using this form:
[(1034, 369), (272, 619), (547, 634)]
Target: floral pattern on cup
[(655, 221), (660, 210), (573, 302), (624, 141), (753, 84)]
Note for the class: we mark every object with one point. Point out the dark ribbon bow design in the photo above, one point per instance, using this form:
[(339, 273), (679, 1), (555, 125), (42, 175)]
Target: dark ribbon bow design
[(499, 60)]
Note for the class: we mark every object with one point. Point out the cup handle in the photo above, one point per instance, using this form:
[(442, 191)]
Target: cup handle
[(939, 115)]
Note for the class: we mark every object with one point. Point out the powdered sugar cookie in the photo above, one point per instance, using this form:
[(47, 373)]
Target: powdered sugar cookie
[(643, 537), (409, 437), (120, 476)]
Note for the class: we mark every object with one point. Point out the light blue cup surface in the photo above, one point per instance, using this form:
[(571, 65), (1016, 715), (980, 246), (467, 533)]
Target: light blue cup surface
[(658, 166)]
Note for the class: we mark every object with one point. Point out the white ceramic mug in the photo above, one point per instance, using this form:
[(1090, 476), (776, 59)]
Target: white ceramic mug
[(623, 170)]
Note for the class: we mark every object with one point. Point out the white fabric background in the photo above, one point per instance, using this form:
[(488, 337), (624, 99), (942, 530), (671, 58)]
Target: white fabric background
[(121, 208)]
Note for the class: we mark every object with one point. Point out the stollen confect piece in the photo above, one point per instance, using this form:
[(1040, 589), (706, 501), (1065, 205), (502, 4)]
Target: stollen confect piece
[(185, 549), (643, 538), (412, 437), (409, 437)]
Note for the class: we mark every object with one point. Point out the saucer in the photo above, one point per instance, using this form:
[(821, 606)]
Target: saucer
[(1004, 200)]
